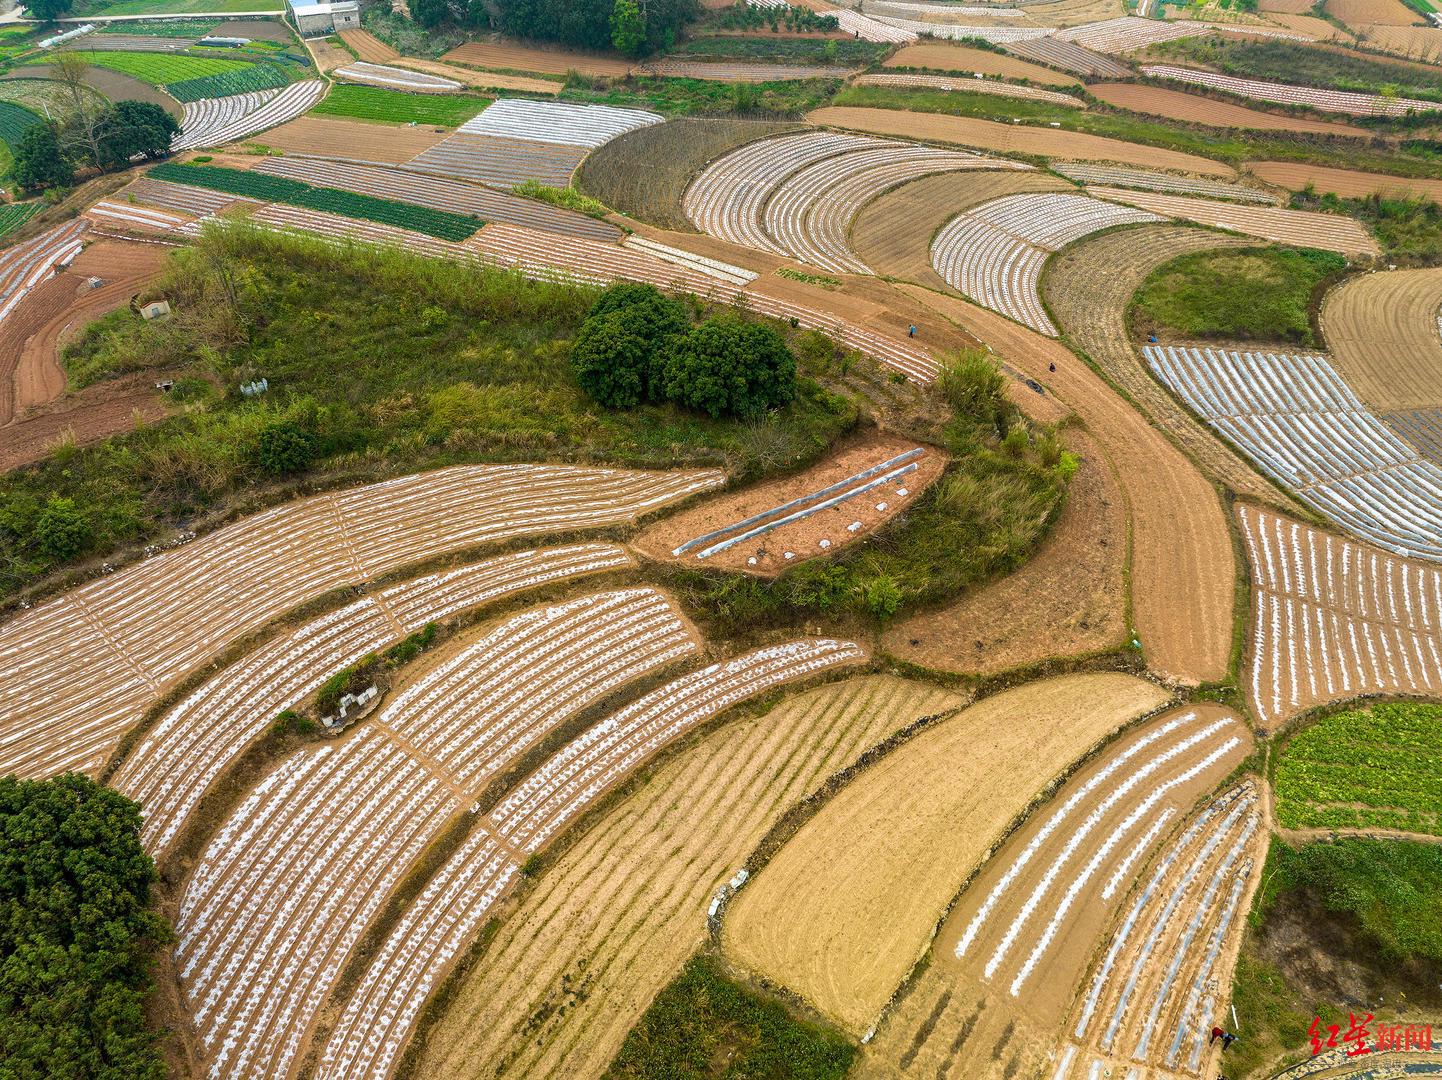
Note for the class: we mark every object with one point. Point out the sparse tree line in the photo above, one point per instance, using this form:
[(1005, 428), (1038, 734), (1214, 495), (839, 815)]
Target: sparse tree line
[(631, 27), (93, 135)]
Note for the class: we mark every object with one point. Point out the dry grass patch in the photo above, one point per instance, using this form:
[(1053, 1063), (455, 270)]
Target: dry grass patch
[(1199, 109), (1382, 331), (935, 56), (846, 908)]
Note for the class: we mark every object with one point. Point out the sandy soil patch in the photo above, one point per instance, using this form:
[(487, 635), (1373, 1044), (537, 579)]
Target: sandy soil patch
[(87, 417), (508, 57), (1182, 561), (935, 56), (112, 84), (356, 139), (580, 957), (892, 234), (1068, 600), (1013, 138), (327, 56), (1090, 286), (1364, 12), (1310, 25), (369, 47), (1345, 182), (846, 908), (1382, 332), (1199, 109), (766, 554)]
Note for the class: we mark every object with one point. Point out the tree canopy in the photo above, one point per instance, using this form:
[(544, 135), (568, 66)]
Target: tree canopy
[(129, 128), (39, 163), (585, 24), (617, 352), (727, 366)]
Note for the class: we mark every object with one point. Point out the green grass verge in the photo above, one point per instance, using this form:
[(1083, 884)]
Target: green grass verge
[(393, 106), (13, 215), (1261, 294), (1416, 158), (1409, 230), (438, 223), (706, 1026), (678, 97), (1284, 61), (1365, 768)]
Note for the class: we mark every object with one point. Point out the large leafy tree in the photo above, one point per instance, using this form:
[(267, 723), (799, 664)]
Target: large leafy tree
[(131, 128), (727, 366), (49, 9), (76, 933), (628, 28), (617, 352), (39, 163), (587, 24)]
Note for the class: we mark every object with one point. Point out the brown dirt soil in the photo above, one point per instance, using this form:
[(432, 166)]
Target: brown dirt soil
[(1290, 7), (1013, 138), (1075, 12), (1183, 570), (112, 84), (1089, 288), (30, 339), (1068, 600), (327, 56), (1199, 109), (388, 143), (508, 57), (1345, 182), (800, 537), (482, 80), (847, 906), (1411, 42), (369, 47), (580, 957), (1356, 13), (256, 30), (935, 56), (893, 233), (92, 414), (1382, 332), (1303, 23)]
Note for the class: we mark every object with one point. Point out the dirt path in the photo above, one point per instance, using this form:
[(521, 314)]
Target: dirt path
[(1382, 332), (1183, 570), (1068, 600), (846, 908), (1090, 286)]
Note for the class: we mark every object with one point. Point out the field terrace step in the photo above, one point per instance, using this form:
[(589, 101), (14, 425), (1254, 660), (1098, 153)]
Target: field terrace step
[(1297, 419), (724, 271), (557, 122), (739, 72), (197, 202), (868, 29), (503, 162), (974, 85), (1129, 32), (899, 7), (450, 195), (1340, 101), (1333, 619), (216, 121), (173, 767), (79, 670), (295, 875), (1068, 56), (997, 35), (1118, 177), (396, 78), (381, 1013), (114, 215), (26, 264)]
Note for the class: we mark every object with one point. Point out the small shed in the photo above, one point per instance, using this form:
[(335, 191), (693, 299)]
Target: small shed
[(312, 19)]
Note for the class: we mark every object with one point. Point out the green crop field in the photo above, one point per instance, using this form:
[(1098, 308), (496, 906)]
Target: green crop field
[(15, 121), (226, 83), (438, 223), (171, 28), (13, 215), (1365, 768), (160, 69), (176, 7), (375, 103)]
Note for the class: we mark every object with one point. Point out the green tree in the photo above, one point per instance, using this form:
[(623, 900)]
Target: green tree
[(49, 9), (285, 448), (727, 366), (131, 128), (38, 161), (652, 316), (628, 28), (431, 13), (61, 530), (611, 361), (77, 933)]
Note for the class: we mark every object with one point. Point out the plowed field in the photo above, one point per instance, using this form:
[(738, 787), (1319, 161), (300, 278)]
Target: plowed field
[(1310, 25), (1182, 563), (935, 56), (1198, 109), (1013, 138), (1382, 331), (93, 414), (1343, 182), (1089, 288), (1419, 43), (369, 47), (505, 57), (1364, 12), (577, 961), (357, 140), (847, 906)]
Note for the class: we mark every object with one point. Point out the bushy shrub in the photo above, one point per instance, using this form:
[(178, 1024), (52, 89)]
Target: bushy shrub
[(61, 531), (285, 447), (974, 386), (727, 366), (616, 353)]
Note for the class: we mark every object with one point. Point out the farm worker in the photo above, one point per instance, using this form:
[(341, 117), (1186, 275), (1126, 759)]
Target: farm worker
[(1051, 366), (911, 331), (1227, 1039), (1217, 1033)]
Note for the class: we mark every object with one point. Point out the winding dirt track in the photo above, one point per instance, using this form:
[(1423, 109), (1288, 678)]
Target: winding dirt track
[(1089, 287), (581, 956), (1183, 569), (1383, 334)]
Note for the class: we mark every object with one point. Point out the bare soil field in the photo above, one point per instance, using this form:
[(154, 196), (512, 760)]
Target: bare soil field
[(328, 57), (112, 84), (506, 57), (765, 554), (369, 47), (1334, 619), (391, 144), (1345, 182), (1360, 13), (578, 958), (482, 80), (936, 56), (1290, 7), (1198, 109), (30, 339), (86, 417), (1302, 23), (892, 234), (1068, 600), (257, 30), (846, 908), (1183, 570), (1013, 138), (1075, 12), (1382, 332), (1090, 286), (1421, 43)]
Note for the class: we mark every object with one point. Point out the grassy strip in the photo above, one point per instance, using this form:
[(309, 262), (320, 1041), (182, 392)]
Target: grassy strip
[(705, 1024), (13, 215), (1409, 230), (1258, 294), (702, 97), (566, 198), (439, 223), (395, 107), (1415, 158), (779, 50), (1285, 61)]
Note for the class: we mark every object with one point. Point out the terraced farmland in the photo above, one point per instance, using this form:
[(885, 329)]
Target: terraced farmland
[(395, 107), (215, 121), (15, 121), (1383, 332), (246, 80), (1337, 101)]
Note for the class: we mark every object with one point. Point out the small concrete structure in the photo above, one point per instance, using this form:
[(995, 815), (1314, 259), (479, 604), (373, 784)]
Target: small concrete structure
[(321, 18), (156, 309)]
